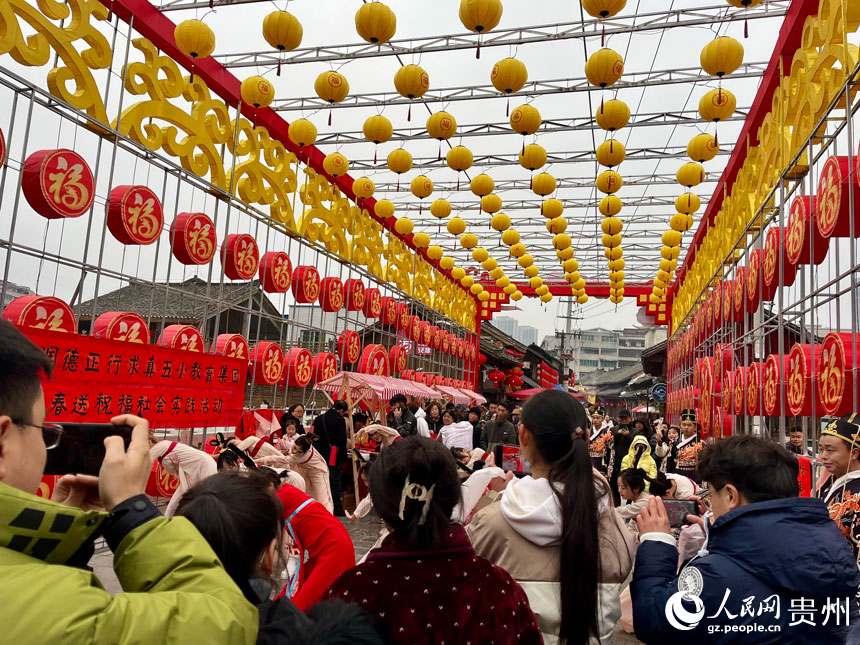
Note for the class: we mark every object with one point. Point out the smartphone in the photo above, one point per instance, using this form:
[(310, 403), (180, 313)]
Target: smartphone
[(679, 509), (81, 449), (510, 458)]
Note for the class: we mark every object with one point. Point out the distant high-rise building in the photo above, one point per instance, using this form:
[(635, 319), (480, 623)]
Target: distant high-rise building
[(506, 325), (600, 349), (526, 334), (14, 291)]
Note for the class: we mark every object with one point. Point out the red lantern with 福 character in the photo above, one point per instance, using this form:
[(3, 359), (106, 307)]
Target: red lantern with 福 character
[(298, 371), (372, 307), (753, 275), (797, 235), (134, 215), (753, 389), (276, 272), (836, 190), (402, 323), (424, 378), (58, 183), (461, 347), (834, 379), (774, 253), (798, 384), (426, 332), (739, 296), (306, 284), (183, 337), (739, 396), (331, 294), (397, 359), (41, 312), (160, 482), (374, 360), (773, 374), (192, 238), (728, 306), (408, 375), (267, 359), (354, 290), (436, 336), (124, 326), (415, 328), (323, 366), (232, 345), (445, 342), (388, 313), (240, 256), (348, 346)]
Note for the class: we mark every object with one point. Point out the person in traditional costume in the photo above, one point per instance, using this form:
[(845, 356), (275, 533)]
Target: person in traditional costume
[(308, 463), (188, 464), (684, 457), (258, 448), (600, 442), (840, 455)]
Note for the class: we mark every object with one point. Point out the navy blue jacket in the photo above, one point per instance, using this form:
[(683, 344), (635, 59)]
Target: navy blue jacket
[(788, 548)]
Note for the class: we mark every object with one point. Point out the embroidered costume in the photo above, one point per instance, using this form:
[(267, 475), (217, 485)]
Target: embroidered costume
[(685, 452), (842, 494)]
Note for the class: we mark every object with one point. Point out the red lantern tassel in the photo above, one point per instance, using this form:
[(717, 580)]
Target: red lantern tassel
[(374, 156), (508, 107), (603, 36), (439, 157), (478, 50)]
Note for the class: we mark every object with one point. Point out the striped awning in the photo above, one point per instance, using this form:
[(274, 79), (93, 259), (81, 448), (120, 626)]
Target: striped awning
[(474, 397), (453, 394)]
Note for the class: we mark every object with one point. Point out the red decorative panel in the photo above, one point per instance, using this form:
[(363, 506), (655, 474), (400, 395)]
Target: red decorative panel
[(58, 183), (192, 238), (134, 215)]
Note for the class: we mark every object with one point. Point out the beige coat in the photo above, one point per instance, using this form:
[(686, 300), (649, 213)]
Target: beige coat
[(187, 464)]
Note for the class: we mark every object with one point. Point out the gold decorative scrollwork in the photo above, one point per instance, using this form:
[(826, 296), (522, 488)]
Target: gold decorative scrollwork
[(319, 223), (423, 283), (400, 264), (367, 245)]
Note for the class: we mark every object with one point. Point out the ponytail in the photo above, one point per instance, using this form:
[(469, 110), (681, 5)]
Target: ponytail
[(555, 420), (660, 484), (305, 441)]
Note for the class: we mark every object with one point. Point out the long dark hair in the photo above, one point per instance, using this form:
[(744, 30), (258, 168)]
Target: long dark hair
[(428, 464), (305, 441), (659, 485), (552, 417), (239, 517)]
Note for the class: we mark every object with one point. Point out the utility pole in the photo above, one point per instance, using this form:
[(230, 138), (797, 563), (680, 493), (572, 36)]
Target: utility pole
[(569, 335)]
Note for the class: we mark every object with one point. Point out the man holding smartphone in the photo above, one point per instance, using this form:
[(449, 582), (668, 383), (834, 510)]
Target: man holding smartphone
[(177, 589)]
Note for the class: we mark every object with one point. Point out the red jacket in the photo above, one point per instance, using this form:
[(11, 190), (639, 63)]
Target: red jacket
[(328, 545), (445, 595)]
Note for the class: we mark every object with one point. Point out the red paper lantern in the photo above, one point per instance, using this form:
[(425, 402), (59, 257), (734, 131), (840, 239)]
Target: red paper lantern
[(134, 215), (739, 296), (774, 371), (306, 284), (348, 346), (354, 290), (753, 388), (718, 306), (58, 183), (299, 370), (181, 337), (436, 336), (445, 342), (424, 378), (481, 359), (41, 312), (774, 253), (240, 256), (739, 397), (752, 276), (728, 304), (331, 294), (834, 377), (397, 359), (722, 360), (123, 326), (426, 332), (799, 378), (461, 347), (324, 366), (374, 360), (161, 483), (414, 328), (388, 313), (372, 307), (705, 371), (267, 360), (276, 272), (836, 191), (2, 148), (797, 236), (496, 376), (232, 345), (402, 322), (408, 375), (192, 238)]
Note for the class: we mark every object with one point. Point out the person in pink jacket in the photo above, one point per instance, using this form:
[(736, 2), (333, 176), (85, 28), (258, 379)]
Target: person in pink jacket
[(307, 462)]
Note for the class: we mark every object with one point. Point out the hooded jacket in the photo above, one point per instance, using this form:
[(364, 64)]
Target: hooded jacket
[(521, 534), (788, 550), (646, 461), (421, 423), (176, 590), (457, 435)]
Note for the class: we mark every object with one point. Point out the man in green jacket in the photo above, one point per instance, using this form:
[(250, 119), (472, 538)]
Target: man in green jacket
[(176, 589), (499, 430)]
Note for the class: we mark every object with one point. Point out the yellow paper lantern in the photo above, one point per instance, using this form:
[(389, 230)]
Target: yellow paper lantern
[(458, 273), (421, 240), (456, 226), (441, 126), (511, 236), (500, 222), (530, 271), (564, 254), (489, 264), (484, 295), (703, 147), (517, 250), (582, 299), (570, 266), (611, 225), (384, 208), (535, 281), (421, 187), (459, 158), (375, 22), (532, 156), (690, 174), (681, 222), (440, 208), (551, 208), (363, 187), (541, 290), (467, 281), (517, 295), (509, 75), (257, 91), (435, 252), (604, 67), (670, 252), (614, 253), (469, 241), (722, 56), (331, 87), (474, 288), (399, 161), (668, 265), (336, 164), (282, 30), (411, 81), (610, 205), (446, 263), (665, 276), (544, 184), (743, 4), (480, 254), (377, 128), (616, 265), (578, 284), (687, 203), (611, 241), (717, 105), (561, 241), (482, 185), (491, 203), (404, 226), (603, 8), (672, 238), (302, 132), (497, 273), (556, 225), (525, 260), (525, 119), (616, 276), (194, 38), (510, 289), (609, 182), (480, 16), (612, 115), (503, 282), (611, 153)]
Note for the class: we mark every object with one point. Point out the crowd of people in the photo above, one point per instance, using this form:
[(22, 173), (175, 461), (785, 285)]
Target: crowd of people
[(581, 535)]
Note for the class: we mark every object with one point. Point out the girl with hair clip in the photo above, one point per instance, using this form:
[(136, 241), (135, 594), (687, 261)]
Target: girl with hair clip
[(308, 463), (556, 530), (425, 584)]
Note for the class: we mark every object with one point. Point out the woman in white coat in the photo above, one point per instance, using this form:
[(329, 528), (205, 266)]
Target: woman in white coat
[(307, 462), (187, 464)]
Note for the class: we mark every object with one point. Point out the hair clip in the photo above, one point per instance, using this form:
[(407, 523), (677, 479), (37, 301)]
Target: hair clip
[(418, 493)]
